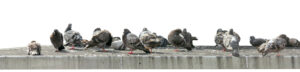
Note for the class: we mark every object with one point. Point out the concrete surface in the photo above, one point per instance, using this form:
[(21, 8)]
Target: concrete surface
[(203, 57)]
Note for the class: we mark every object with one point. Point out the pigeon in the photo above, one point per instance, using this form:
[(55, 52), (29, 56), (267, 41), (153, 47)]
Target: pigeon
[(84, 42), (291, 42), (256, 42), (131, 41), (219, 38), (72, 38), (285, 37), (57, 40), (274, 45), (231, 42), (117, 43), (149, 40), (34, 48), (116, 39), (189, 39), (163, 41), (101, 39), (176, 38)]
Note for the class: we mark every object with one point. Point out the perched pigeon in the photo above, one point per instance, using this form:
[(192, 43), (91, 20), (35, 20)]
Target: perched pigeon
[(231, 42), (176, 38), (117, 43), (286, 38), (189, 39), (73, 38), (34, 48), (274, 45), (116, 39), (219, 38), (291, 42), (149, 40), (131, 41), (101, 39), (256, 42), (163, 41), (84, 42), (57, 40)]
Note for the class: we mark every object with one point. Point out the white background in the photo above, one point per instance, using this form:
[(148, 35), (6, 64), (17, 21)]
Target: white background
[(24, 20)]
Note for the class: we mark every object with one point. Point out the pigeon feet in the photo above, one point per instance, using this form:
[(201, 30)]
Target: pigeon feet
[(104, 50), (130, 52), (176, 50), (72, 48), (224, 50), (277, 54)]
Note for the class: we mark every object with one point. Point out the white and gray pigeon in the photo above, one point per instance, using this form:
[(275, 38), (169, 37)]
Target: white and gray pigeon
[(231, 42), (148, 39), (72, 37), (34, 48)]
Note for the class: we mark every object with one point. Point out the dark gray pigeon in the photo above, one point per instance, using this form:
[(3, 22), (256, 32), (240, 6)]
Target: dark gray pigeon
[(57, 40), (176, 38), (256, 42), (189, 39)]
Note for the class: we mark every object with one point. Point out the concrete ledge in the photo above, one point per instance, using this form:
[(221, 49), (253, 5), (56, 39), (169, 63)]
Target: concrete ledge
[(149, 62)]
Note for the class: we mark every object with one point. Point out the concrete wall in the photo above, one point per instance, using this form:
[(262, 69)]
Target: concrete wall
[(148, 62)]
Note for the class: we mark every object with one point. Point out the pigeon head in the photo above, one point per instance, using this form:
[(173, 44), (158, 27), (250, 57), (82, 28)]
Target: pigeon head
[(177, 31), (97, 29), (56, 31), (184, 30), (283, 36), (145, 29), (231, 32), (154, 33), (69, 27), (252, 37), (126, 31), (33, 41), (219, 30)]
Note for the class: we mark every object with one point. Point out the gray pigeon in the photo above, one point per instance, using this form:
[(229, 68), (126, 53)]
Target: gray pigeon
[(290, 42), (117, 43), (131, 41), (101, 39), (73, 38), (163, 41), (293, 42)]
